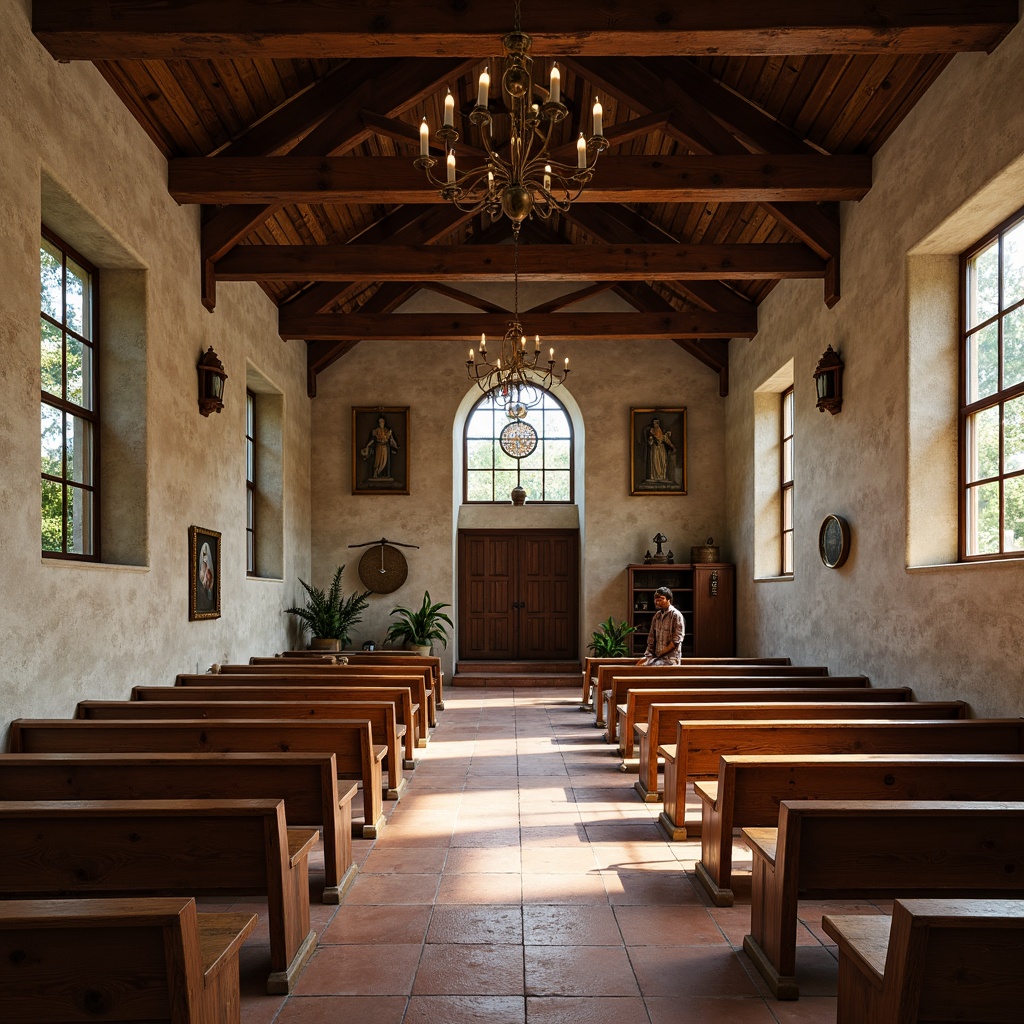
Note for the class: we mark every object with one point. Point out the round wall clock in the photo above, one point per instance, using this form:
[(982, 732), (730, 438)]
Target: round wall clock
[(383, 569), (834, 541)]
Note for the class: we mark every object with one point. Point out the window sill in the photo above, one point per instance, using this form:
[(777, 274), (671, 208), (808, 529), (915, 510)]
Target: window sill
[(996, 564), (74, 563), (774, 579), (265, 579)]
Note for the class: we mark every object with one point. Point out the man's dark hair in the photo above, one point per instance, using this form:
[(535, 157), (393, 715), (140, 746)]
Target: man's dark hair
[(664, 591)]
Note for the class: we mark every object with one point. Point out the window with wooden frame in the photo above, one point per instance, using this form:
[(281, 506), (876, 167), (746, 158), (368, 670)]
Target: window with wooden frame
[(786, 480), (546, 474), (992, 394), (69, 413), (250, 483)]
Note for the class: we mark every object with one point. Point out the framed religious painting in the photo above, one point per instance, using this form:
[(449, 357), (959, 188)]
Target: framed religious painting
[(204, 573), (657, 452), (380, 450)]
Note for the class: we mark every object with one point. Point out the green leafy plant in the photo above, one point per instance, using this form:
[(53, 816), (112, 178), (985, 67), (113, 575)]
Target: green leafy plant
[(609, 639), (420, 628), (328, 615)]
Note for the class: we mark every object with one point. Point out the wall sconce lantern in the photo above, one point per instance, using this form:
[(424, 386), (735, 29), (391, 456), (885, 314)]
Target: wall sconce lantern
[(211, 383), (828, 378)]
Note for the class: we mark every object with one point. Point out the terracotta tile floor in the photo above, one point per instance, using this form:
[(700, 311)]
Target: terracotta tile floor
[(520, 879)]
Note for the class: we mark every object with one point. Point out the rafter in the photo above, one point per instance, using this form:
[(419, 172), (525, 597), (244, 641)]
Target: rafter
[(634, 179), (552, 326), (133, 29), (536, 263)]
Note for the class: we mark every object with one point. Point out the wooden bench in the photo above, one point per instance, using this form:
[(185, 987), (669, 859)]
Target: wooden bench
[(351, 742), (873, 849), (699, 745), (633, 715), (120, 959), (327, 675), (361, 657), (53, 848), (591, 665), (308, 784), (932, 960), (662, 720), (380, 715), (750, 788), (406, 710), (617, 685)]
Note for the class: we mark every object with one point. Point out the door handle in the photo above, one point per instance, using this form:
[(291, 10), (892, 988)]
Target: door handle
[(518, 604)]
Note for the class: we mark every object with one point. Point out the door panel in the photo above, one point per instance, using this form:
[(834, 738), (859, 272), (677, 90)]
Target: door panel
[(519, 595)]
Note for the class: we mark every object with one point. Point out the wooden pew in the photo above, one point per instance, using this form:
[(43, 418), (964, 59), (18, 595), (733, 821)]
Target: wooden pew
[(308, 784), (52, 848), (120, 959), (406, 711), (360, 657), (618, 685), (750, 788), (351, 742), (699, 745), (326, 675), (380, 715), (591, 665), (932, 960), (873, 849), (662, 720), (633, 714)]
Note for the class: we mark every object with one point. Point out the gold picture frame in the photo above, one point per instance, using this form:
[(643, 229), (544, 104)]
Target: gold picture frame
[(204, 574)]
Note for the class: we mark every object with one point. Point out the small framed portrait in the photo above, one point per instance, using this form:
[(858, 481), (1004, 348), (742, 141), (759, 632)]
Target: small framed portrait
[(380, 450), (204, 574), (657, 457)]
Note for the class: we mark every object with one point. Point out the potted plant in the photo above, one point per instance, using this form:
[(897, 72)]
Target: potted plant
[(418, 629), (609, 639), (327, 616)]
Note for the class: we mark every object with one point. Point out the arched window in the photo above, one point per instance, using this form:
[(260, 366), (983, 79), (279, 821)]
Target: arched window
[(546, 473)]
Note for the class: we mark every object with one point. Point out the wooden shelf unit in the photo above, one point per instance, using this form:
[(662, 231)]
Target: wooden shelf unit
[(704, 592)]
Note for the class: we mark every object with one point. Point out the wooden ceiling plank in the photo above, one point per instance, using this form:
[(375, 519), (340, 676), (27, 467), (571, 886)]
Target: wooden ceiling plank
[(552, 326), (321, 262), (393, 180), (898, 109), (120, 29), (117, 77)]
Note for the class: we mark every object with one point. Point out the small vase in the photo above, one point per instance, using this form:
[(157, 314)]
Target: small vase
[(518, 495)]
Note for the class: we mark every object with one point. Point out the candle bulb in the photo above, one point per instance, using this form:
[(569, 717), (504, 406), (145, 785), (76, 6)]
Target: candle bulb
[(483, 88), (451, 167), (581, 152), (536, 347), (449, 110), (471, 356), (522, 342), (547, 177), (424, 141), (483, 343), (566, 364), (598, 117), (551, 355), (555, 96)]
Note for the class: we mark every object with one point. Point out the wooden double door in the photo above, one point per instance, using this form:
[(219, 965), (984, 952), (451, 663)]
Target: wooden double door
[(518, 595)]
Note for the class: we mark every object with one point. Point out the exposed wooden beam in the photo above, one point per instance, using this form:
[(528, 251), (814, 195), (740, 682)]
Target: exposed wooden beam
[(536, 263), (633, 179), (553, 326), (166, 29)]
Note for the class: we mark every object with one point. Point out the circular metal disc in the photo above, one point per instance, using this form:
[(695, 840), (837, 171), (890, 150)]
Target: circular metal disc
[(383, 569)]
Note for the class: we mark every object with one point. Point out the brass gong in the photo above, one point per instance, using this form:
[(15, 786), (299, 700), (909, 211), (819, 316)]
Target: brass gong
[(383, 569)]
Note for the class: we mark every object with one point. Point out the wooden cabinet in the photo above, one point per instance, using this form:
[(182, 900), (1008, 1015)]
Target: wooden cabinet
[(706, 595)]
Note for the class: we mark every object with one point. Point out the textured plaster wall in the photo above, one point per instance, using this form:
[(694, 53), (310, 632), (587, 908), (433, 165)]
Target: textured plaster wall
[(607, 379), (949, 631), (77, 630)]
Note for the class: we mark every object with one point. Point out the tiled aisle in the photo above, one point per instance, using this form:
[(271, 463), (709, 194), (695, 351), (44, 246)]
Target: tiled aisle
[(520, 879)]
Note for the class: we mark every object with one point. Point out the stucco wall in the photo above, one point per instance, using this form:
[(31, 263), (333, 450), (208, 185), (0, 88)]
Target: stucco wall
[(607, 379), (949, 631), (77, 630)]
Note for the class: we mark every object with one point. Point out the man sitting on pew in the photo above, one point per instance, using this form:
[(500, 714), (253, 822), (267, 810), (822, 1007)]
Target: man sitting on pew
[(665, 640)]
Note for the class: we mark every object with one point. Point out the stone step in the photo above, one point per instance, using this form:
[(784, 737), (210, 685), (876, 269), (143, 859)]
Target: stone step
[(517, 673)]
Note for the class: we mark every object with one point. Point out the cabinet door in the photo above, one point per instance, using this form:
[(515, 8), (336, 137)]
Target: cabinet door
[(714, 610)]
